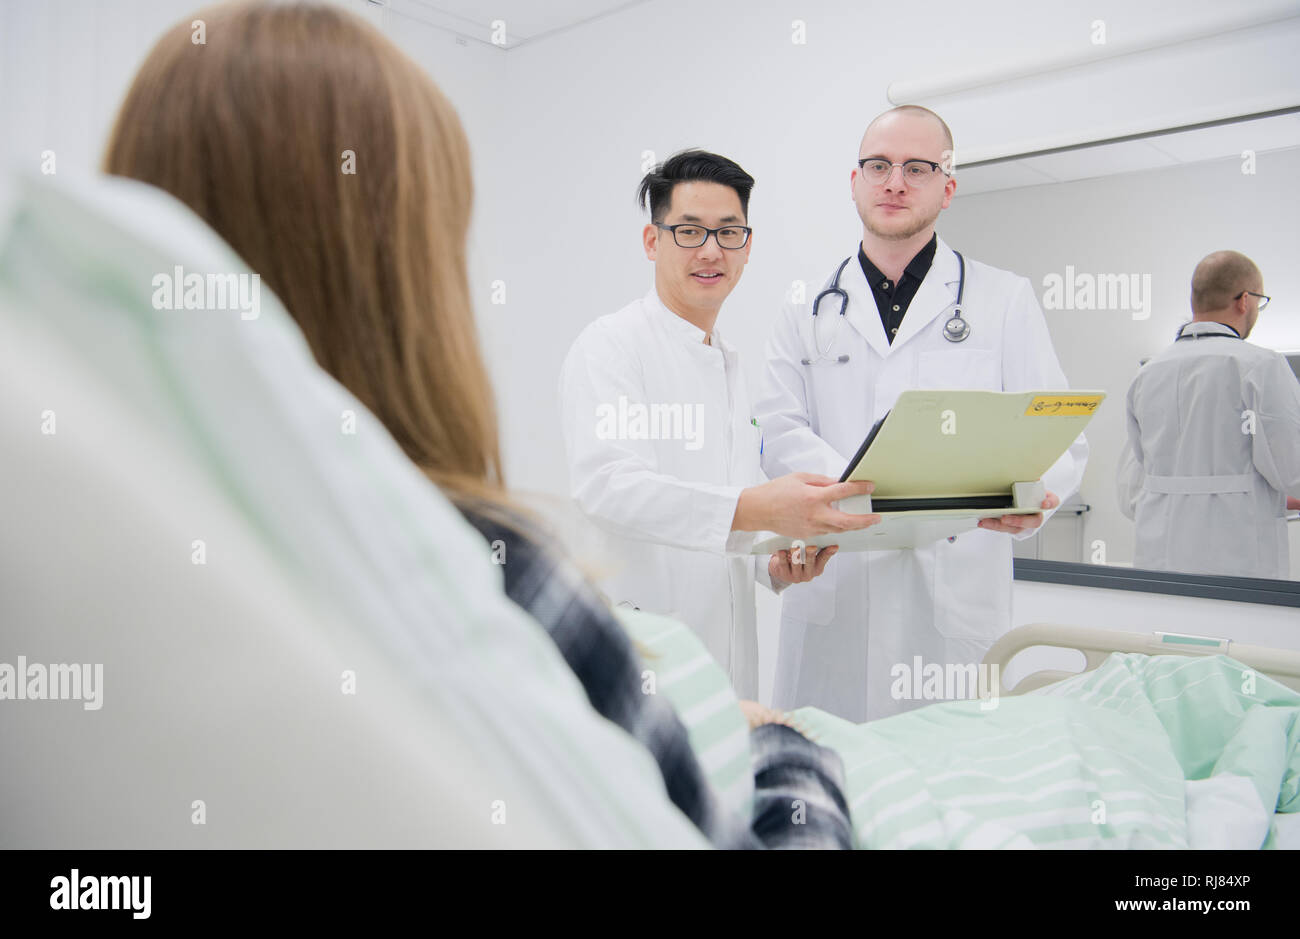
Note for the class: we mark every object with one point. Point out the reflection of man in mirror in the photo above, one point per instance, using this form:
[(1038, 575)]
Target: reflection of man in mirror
[(1214, 437)]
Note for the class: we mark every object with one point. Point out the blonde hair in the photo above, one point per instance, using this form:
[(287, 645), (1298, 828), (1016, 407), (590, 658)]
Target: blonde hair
[(251, 129)]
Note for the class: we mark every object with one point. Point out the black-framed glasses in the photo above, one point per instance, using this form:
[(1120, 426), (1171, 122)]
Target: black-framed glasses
[(915, 172), (1263, 300), (690, 235)]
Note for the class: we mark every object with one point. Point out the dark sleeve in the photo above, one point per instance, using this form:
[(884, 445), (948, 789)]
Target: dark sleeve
[(601, 655), (798, 791)]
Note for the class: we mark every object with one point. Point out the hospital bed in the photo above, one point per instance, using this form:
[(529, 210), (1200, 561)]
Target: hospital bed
[(1097, 645), (1162, 741)]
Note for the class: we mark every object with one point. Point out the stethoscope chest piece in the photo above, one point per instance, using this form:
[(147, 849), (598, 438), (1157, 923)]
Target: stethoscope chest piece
[(956, 329)]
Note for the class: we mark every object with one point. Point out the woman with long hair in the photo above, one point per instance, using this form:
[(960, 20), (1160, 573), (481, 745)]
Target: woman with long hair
[(337, 170)]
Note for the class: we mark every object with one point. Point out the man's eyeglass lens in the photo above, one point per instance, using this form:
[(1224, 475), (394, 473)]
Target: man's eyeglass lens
[(914, 171), (692, 236)]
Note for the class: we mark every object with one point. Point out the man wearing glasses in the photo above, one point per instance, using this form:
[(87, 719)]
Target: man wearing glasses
[(1214, 438), (662, 446), (889, 320)]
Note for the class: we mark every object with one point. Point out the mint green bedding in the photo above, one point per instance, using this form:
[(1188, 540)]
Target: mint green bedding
[(1103, 759), (1143, 752)]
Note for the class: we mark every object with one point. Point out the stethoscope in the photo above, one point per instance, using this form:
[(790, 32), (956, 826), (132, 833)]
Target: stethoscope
[(956, 329), (1231, 334)]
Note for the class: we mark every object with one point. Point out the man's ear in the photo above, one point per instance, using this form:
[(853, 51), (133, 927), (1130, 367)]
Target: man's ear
[(650, 240), (950, 187)]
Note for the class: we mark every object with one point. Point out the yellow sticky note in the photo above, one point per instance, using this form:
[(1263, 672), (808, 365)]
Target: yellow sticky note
[(1063, 404)]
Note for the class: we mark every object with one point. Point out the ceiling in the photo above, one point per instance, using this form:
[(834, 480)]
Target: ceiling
[(525, 20), (1164, 149)]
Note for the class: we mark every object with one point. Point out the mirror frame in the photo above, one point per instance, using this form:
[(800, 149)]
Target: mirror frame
[(1076, 574), (1207, 586)]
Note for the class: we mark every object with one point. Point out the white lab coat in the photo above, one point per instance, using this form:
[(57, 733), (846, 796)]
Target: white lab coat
[(668, 503), (842, 634), (1213, 450)]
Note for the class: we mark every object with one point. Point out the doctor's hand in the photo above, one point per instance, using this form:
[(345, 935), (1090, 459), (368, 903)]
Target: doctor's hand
[(798, 505), (783, 570), (1012, 524)]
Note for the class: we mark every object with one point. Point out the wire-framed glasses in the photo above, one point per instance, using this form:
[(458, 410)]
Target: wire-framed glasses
[(915, 172), (1263, 300)]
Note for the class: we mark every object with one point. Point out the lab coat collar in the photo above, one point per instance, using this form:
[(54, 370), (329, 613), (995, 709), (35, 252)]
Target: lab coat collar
[(1201, 328), (936, 295), (679, 326)]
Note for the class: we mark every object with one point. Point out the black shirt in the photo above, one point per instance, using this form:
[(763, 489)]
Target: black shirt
[(894, 297)]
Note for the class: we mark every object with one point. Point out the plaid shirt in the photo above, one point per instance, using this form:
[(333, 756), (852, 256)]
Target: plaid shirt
[(798, 798)]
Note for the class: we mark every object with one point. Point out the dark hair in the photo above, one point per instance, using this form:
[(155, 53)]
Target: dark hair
[(689, 166)]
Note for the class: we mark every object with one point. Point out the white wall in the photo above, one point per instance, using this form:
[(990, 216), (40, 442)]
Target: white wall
[(65, 66), (1255, 623)]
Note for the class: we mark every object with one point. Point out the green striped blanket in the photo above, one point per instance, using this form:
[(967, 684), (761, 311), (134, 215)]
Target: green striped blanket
[(1109, 758), (679, 667), (1143, 752)]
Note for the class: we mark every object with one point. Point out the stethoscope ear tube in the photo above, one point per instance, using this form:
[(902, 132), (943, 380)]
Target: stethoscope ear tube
[(832, 289)]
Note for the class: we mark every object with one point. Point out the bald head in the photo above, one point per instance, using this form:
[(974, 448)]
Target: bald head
[(909, 112), (1219, 278)]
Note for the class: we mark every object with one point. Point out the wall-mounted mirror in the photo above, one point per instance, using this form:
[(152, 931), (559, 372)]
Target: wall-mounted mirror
[(1109, 234)]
